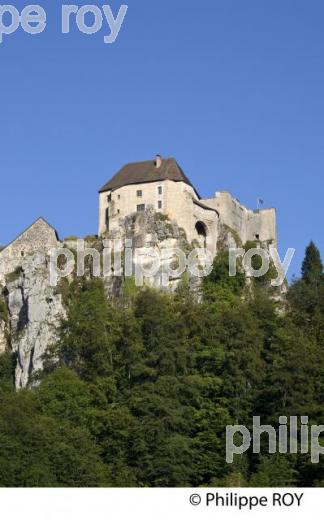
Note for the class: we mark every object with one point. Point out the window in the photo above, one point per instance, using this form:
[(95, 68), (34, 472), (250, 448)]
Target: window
[(109, 197), (118, 197), (160, 204), (118, 211), (140, 208), (139, 193), (160, 190), (107, 218)]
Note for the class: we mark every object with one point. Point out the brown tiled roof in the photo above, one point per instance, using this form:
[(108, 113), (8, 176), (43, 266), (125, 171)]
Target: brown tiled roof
[(146, 171)]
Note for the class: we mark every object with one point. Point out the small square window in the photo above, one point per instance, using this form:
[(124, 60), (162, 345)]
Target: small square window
[(140, 208), (160, 190), (139, 193), (160, 204)]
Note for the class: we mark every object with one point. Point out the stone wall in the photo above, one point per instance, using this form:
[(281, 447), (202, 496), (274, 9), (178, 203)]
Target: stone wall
[(39, 237), (250, 225), (180, 203), (177, 200), (125, 200), (183, 207)]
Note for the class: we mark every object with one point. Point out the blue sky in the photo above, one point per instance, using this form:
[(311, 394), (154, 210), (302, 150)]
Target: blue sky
[(234, 89)]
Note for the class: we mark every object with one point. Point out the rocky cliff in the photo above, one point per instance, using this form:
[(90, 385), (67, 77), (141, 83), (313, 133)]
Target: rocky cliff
[(34, 313)]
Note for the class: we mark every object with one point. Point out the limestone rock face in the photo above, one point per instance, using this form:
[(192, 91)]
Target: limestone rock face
[(151, 230), (35, 310)]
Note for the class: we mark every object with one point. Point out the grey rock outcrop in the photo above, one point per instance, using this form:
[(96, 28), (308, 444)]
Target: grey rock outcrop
[(35, 310), (151, 230)]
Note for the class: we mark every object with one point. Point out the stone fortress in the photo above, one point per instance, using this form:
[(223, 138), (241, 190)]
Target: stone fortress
[(152, 202), (162, 185)]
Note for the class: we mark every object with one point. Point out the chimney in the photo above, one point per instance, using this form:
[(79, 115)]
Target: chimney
[(158, 161)]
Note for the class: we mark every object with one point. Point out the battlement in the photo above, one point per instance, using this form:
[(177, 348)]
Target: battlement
[(250, 224)]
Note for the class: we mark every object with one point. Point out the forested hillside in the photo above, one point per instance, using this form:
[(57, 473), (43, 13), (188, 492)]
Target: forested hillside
[(139, 390)]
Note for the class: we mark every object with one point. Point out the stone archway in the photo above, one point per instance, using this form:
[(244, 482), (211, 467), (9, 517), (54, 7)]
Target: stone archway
[(201, 230)]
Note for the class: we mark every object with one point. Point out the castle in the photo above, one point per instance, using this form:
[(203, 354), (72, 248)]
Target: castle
[(162, 185)]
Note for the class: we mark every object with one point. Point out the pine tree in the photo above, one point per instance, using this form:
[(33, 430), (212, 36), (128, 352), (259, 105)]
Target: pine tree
[(312, 268)]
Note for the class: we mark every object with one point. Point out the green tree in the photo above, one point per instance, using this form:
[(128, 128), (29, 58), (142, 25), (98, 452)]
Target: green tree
[(219, 285), (87, 335), (312, 268), (274, 471)]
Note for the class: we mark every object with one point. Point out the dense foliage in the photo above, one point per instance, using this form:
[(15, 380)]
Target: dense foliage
[(138, 392)]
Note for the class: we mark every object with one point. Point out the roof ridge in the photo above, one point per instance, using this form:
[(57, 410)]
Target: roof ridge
[(164, 159), (28, 228)]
